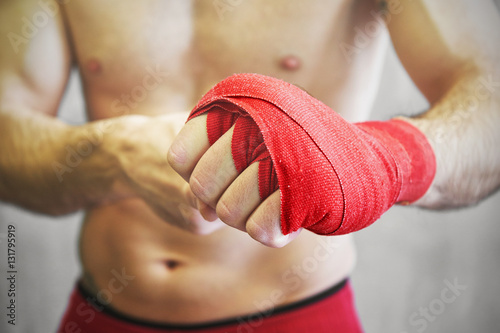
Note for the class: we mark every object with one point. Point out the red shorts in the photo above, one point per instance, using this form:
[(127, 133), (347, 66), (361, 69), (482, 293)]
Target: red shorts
[(330, 311)]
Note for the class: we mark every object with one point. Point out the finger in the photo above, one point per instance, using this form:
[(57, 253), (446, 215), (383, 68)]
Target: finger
[(189, 146), (206, 211), (264, 224), (215, 171), (240, 199), (188, 196), (195, 223)]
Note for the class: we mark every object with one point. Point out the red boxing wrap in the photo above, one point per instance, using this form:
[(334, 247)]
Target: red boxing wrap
[(335, 177)]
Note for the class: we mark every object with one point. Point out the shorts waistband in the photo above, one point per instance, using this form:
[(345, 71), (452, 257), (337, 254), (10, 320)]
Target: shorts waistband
[(216, 323)]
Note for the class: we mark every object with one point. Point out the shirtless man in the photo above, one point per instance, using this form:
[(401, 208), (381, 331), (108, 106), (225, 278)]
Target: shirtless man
[(148, 254)]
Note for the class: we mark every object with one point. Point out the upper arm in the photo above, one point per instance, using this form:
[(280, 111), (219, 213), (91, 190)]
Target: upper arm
[(35, 57), (438, 41)]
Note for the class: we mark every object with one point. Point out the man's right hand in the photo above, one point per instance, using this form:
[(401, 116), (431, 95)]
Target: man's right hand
[(133, 153)]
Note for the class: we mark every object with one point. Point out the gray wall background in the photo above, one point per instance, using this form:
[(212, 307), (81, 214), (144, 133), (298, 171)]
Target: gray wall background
[(405, 260)]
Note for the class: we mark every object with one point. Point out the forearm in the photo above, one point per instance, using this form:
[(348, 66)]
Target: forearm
[(47, 166), (463, 129)]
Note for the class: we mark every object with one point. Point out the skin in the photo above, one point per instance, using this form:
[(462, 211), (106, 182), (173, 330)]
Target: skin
[(196, 255)]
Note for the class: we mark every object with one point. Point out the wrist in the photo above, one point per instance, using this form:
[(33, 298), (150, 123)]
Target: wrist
[(413, 155), (92, 163)]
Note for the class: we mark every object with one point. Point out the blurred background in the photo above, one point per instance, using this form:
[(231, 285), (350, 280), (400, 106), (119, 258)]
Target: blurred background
[(405, 261)]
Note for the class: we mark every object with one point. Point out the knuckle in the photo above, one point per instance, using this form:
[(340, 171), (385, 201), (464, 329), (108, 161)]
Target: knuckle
[(268, 235), (201, 188), (259, 234), (273, 241), (176, 156), (228, 213)]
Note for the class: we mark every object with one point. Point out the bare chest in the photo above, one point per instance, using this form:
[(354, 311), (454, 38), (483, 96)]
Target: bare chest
[(182, 48)]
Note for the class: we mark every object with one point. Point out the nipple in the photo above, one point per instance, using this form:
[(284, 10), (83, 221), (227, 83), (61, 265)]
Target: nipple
[(290, 62), (94, 66)]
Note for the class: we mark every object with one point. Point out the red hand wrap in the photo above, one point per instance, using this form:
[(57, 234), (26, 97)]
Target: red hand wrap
[(334, 177)]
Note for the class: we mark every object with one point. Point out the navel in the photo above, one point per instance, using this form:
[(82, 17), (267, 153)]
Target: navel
[(171, 264), (94, 66), (290, 62)]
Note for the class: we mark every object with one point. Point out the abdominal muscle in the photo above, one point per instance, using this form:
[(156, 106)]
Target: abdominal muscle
[(147, 269)]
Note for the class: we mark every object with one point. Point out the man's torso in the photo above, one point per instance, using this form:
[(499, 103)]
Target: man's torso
[(160, 57)]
